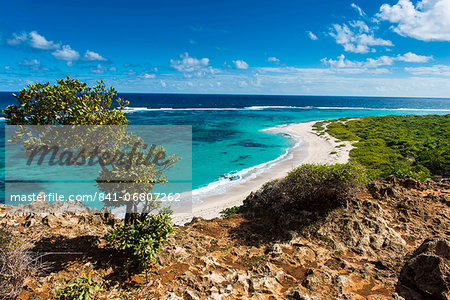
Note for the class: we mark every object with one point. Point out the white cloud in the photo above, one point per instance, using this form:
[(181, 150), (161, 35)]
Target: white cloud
[(436, 70), (346, 67), (273, 59), (8, 68), (358, 9), (300, 81), (361, 25), (412, 57), (33, 64), (39, 42), (148, 76), (353, 81), (243, 83), (380, 61), (99, 69), (357, 38), (91, 55), (240, 64), (312, 36), (18, 39), (429, 20), (34, 40), (67, 54), (342, 62), (192, 66)]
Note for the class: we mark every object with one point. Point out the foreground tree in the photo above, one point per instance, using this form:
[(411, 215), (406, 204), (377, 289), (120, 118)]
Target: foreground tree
[(71, 102)]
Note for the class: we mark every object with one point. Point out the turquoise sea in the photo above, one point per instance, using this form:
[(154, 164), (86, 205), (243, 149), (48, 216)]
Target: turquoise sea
[(227, 136)]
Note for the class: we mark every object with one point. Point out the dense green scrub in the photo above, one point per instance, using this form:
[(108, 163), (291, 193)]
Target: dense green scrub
[(416, 146)]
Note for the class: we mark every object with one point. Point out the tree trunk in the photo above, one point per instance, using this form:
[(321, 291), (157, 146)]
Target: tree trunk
[(130, 215)]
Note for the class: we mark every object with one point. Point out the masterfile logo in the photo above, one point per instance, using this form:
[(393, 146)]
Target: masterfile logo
[(99, 165)]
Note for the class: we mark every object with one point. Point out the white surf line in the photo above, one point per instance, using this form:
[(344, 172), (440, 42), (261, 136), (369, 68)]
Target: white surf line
[(314, 148)]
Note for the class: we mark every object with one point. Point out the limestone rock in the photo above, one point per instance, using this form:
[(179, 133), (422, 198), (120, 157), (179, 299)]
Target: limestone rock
[(317, 279), (428, 270), (51, 221)]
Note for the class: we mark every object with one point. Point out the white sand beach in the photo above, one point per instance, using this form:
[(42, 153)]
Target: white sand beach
[(312, 148)]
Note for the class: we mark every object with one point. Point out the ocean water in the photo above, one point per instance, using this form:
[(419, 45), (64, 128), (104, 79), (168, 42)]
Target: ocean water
[(228, 140)]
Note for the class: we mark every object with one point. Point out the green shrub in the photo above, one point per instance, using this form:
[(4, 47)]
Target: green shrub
[(83, 288), (309, 187), (141, 241), (16, 264), (71, 102), (270, 183), (230, 211), (318, 126), (339, 131), (322, 187), (414, 146), (402, 170)]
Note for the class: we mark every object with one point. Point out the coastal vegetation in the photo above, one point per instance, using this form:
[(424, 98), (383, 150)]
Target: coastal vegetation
[(331, 184), (71, 102), (229, 211), (141, 241), (83, 288), (308, 233), (282, 253), (414, 146), (310, 187), (17, 263)]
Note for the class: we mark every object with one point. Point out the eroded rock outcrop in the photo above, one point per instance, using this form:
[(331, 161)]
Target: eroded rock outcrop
[(355, 251), (427, 272)]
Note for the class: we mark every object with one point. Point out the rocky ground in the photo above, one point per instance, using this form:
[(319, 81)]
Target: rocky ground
[(392, 241)]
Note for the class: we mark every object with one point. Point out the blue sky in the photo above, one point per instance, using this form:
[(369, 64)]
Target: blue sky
[(302, 47)]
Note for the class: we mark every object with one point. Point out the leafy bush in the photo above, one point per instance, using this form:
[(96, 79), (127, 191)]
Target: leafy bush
[(309, 187), (404, 170), (322, 187), (318, 126), (414, 146), (71, 102), (16, 264), (141, 240), (230, 211), (80, 288), (270, 182)]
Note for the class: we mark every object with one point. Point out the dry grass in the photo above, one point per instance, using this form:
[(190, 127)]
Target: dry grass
[(16, 264)]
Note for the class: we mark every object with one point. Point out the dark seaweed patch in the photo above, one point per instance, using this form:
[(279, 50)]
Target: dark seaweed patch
[(240, 158)]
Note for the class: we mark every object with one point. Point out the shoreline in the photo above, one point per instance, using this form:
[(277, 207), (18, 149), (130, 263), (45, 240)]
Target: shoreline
[(309, 147)]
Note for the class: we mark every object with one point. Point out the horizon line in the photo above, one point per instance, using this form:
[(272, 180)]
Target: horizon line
[(274, 95)]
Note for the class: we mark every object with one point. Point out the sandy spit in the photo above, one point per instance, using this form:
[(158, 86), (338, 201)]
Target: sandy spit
[(310, 148)]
